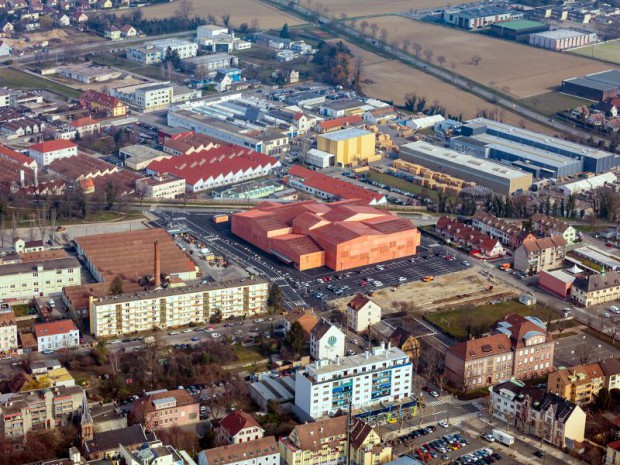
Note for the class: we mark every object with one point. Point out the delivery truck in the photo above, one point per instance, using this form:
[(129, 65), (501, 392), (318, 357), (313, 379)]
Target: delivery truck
[(503, 437)]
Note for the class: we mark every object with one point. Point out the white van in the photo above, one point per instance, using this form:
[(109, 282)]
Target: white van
[(614, 309)]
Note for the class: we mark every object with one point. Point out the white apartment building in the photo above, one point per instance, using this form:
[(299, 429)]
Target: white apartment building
[(151, 96), (164, 186), (21, 281), (327, 342), (8, 331), (362, 312), (46, 152), (56, 335), (383, 374), (173, 307)]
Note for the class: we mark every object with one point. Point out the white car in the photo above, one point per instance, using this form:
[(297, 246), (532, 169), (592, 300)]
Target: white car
[(443, 424), (377, 284), (215, 335), (188, 330), (402, 279), (606, 315), (614, 309)]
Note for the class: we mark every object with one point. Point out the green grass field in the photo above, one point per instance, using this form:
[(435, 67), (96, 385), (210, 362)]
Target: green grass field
[(402, 184), (453, 321), (150, 71), (607, 51), (550, 103), (19, 80)]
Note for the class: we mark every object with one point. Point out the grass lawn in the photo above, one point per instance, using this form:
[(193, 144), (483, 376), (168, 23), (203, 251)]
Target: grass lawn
[(150, 71), (247, 354), (550, 103), (453, 321), (607, 51), (402, 184), (20, 309), (584, 228), (105, 217), (19, 80), (81, 377)]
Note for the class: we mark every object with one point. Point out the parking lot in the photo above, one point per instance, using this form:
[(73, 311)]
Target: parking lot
[(582, 349)]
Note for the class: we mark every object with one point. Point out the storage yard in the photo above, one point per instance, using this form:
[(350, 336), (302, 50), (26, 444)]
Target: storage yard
[(503, 71)]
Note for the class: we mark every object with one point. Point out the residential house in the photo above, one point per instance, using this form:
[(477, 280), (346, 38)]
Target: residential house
[(534, 255), (99, 102), (607, 108), (531, 344), (79, 17), (581, 112), (548, 226), (165, 409), (239, 427), (596, 119), (5, 49), (511, 235), (480, 243), (544, 415), (64, 20), (8, 331), (112, 32), (611, 370), (596, 289), (263, 451), (362, 312), (613, 124), (128, 31), (579, 384), (100, 445), (366, 447), (57, 335), (307, 319), (105, 4), (326, 341), (479, 362), (6, 29), (85, 126), (22, 246)]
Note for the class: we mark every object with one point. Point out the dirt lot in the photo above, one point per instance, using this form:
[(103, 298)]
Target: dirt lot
[(55, 37), (369, 7), (391, 80), (520, 70), (454, 289), (240, 11)]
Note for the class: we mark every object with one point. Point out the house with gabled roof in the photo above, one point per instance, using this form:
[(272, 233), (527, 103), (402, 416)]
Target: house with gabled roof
[(327, 341), (362, 312), (239, 427)]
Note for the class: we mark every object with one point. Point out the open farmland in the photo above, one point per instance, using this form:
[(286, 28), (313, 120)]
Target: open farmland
[(519, 70), (392, 80), (355, 8), (240, 11)]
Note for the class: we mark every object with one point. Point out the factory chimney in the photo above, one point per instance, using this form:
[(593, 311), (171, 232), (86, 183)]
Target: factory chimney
[(22, 183), (36, 177), (157, 270)]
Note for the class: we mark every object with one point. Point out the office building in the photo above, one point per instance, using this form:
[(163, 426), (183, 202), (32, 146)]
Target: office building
[(46, 152), (340, 235), (207, 65), (146, 97), (381, 375), (176, 306), (156, 51), (350, 146), (162, 186), (500, 178), (23, 281)]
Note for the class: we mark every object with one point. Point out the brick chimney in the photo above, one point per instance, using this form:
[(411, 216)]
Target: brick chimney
[(157, 270)]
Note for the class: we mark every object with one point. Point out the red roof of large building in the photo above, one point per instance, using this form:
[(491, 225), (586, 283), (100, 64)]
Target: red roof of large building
[(52, 145), (336, 187), (54, 327), (342, 122), (81, 122), (237, 421), (210, 164), (9, 153)]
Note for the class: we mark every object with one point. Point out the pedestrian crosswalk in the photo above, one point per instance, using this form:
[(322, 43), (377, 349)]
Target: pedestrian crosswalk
[(434, 403), (462, 418)]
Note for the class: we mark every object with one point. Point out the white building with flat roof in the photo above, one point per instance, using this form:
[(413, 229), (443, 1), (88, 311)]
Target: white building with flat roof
[(155, 51), (381, 375), (562, 39)]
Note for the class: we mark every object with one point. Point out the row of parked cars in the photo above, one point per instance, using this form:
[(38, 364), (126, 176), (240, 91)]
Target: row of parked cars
[(480, 456), (442, 446)]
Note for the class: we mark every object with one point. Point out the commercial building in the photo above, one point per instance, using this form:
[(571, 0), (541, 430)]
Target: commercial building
[(56, 335), (138, 157), (172, 307), (23, 281), (325, 441), (250, 190), (562, 39), (327, 341), (578, 384), (596, 289), (146, 97), (340, 108), (534, 255), (336, 124), (557, 282), (382, 375), (350, 146), (8, 331), (545, 225), (162, 186), (46, 409), (216, 167), (543, 415), (88, 74), (207, 65), (509, 234), (330, 188), (478, 18), (423, 122), (166, 409), (518, 30), (341, 235), (500, 178), (319, 158), (263, 451), (239, 427), (586, 88), (46, 152), (155, 51), (479, 362), (362, 313), (589, 184), (590, 253)]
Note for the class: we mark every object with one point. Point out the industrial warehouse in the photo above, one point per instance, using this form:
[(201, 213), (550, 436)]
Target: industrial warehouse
[(340, 235)]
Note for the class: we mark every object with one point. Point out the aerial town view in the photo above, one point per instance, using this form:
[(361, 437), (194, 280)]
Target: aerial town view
[(309, 232)]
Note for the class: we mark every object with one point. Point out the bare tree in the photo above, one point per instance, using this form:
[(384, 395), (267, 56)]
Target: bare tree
[(476, 59), (184, 10), (429, 55), (583, 352), (383, 34), (612, 332), (453, 67), (417, 49), (42, 223), (225, 19), (441, 60), (357, 77), (374, 27), (406, 45), (141, 192), (254, 25), (363, 26), (53, 224), (14, 223)]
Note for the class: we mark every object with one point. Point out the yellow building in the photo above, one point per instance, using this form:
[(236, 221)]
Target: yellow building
[(325, 441), (577, 384), (350, 146)]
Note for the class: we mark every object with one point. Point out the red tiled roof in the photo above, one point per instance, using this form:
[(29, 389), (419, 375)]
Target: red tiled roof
[(54, 327), (52, 145), (237, 421), (340, 122), (11, 154), (81, 122), (482, 347), (336, 187)]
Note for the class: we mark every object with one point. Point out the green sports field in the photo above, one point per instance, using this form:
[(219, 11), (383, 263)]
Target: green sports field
[(607, 51)]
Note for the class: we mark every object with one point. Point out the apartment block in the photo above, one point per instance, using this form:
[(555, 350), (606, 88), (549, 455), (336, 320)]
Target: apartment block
[(540, 254), (56, 335), (263, 451), (381, 375), (176, 306), (165, 409), (8, 331), (21, 281), (509, 234), (549, 226), (611, 370), (596, 289), (23, 412), (578, 384), (362, 312)]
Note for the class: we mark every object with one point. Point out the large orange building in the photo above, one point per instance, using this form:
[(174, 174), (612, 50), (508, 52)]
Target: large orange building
[(340, 235)]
